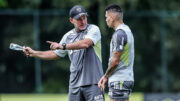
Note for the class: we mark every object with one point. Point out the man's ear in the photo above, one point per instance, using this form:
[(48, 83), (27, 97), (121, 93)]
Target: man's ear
[(113, 17), (71, 20)]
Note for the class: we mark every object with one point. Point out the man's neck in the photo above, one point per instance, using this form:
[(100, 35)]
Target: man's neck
[(116, 24), (78, 30)]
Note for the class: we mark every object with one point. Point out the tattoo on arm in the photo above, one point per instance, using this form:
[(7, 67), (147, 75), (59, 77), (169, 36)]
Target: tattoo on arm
[(109, 71), (113, 64)]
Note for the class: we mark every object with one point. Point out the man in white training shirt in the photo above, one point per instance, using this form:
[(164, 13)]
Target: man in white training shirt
[(83, 46)]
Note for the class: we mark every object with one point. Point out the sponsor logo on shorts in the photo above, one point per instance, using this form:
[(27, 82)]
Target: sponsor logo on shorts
[(122, 94), (99, 98)]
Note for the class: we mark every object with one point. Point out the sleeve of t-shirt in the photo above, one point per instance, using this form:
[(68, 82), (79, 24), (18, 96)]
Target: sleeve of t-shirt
[(61, 53), (94, 34), (120, 40)]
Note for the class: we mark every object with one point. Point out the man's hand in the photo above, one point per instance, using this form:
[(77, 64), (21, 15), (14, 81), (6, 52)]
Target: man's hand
[(29, 51), (54, 45), (102, 83)]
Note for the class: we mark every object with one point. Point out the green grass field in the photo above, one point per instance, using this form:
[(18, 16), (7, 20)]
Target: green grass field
[(53, 97)]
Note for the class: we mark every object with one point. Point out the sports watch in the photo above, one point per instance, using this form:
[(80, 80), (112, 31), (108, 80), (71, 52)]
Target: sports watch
[(64, 46)]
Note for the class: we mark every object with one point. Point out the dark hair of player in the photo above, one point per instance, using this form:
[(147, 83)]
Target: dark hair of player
[(114, 8)]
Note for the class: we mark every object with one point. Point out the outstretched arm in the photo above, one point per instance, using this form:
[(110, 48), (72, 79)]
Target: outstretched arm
[(80, 44), (72, 46), (45, 55), (92, 37)]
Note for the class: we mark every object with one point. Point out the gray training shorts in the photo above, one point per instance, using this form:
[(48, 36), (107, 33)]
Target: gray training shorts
[(120, 90), (86, 93)]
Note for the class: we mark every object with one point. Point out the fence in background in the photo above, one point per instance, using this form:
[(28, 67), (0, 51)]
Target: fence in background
[(36, 13)]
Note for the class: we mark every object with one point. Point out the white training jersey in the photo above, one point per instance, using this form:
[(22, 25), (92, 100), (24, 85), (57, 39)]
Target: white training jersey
[(123, 41), (86, 64)]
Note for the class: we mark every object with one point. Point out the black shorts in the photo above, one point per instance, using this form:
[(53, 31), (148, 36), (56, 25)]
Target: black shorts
[(86, 93), (120, 90)]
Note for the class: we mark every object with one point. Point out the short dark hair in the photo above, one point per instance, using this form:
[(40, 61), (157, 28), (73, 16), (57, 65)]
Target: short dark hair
[(114, 7)]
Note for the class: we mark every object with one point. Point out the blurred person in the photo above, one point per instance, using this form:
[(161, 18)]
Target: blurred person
[(119, 74), (83, 46)]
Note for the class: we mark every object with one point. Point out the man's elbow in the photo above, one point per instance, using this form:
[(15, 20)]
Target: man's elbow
[(53, 56), (86, 45)]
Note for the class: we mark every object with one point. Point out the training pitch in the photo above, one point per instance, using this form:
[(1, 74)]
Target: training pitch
[(53, 97)]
